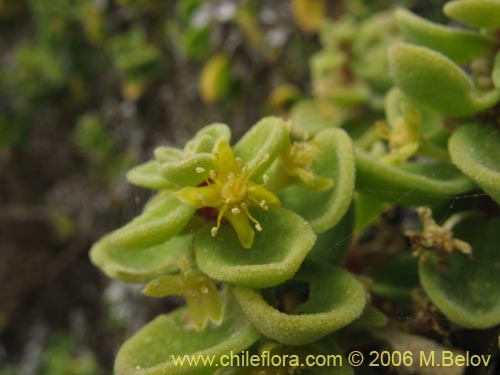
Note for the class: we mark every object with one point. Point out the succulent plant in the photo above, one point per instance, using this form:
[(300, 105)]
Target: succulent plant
[(254, 235)]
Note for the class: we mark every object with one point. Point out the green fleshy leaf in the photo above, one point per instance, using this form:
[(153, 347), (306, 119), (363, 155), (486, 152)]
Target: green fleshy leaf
[(458, 44), (431, 122), (195, 163), (396, 279), (147, 175), (150, 351), (477, 13), (409, 183), (432, 79), (368, 209), (267, 137), (158, 223), (372, 38), (325, 209), (331, 246), (275, 256), (467, 290), (137, 265), (205, 140), (184, 172), (323, 313), (475, 149), (369, 319), (167, 154), (329, 82), (308, 117)]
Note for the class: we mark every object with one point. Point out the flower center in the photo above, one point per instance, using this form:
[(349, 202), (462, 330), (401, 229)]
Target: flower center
[(303, 153), (234, 189)]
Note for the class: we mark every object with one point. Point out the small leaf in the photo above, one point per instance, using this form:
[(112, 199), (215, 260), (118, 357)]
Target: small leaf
[(262, 144), (331, 246), (308, 117), (336, 298), (467, 289), (369, 319), (432, 79), (324, 209), (150, 351), (477, 13), (147, 175), (205, 139), (409, 183), (191, 170), (275, 256), (458, 44), (160, 222), (475, 149), (137, 265), (167, 154)]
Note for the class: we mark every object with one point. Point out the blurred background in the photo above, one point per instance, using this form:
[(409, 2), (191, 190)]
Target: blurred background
[(88, 88)]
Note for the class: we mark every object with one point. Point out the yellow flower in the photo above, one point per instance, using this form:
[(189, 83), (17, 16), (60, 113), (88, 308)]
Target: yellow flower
[(202, 297), (231, 191), (404, 139), (298, 157)]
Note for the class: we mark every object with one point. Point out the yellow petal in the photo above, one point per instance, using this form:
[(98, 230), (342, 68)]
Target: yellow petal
[(212, 302), (242, 228), (196, 310), (259, 193), (203, 196), (225, 162), (167, 285)]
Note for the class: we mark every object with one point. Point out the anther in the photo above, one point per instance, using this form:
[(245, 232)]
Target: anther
[(202, 198), (235, 210), (200, 170), (263, 204), (258, 227), (212, 174), (213, 231)]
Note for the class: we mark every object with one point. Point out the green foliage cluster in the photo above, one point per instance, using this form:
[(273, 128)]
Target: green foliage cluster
[(255, 236)]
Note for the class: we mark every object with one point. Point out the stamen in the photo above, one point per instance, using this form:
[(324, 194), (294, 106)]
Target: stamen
[(202, 198), (263, 205), (213, 231), (265, 178), (230, 176), (258, 227), (204, 290), (212, 174), (200, 170), (265, 157), (235, 210), (244, 207)]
